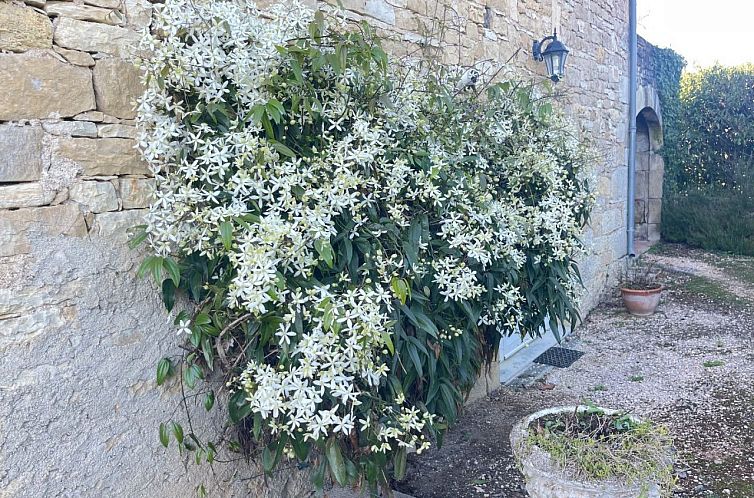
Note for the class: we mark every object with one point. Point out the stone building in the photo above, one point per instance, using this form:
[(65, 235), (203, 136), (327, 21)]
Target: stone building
[(79, 337)]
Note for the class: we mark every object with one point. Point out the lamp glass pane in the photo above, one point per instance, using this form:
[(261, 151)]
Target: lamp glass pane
[(554, 66), (549, 64), (561, 69)]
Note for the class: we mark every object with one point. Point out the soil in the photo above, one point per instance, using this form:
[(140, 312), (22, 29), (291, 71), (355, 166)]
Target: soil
[(689, 366)]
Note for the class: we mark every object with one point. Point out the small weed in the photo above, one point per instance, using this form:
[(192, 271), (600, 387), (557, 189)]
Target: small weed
[(713, 291), (713, 363), (599, 387), (636, 378)]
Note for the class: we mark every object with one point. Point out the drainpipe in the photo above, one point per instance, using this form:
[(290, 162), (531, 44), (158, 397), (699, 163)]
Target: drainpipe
[(632, 77)]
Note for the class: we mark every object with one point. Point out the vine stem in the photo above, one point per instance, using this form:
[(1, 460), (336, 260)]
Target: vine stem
[(220, 348)]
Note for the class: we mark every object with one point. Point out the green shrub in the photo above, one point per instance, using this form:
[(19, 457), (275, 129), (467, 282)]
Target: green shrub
[(709, 155), (713, 219)]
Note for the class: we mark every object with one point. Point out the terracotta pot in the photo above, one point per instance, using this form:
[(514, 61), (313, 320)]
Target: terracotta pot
[(641, 302), (545, 479)]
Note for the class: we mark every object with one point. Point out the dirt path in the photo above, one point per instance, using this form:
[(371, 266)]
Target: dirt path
[(690, 366), (697, 266)]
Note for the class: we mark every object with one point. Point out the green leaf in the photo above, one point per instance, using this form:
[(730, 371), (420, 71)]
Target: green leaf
[(139, 236), (168, 294), (191, 375), (318, 476), (399, 464), (208, 351), (324, 249), (297, 72), (172, 270), (238, 407), (388, 340), (201, 491), (226, 234), (164, 435), (151, 264), (414, 355), (400, 289), (209, 400), (268, 460), (178, 432), (282, 149), (335, 459), (301, 448), (164, 366)]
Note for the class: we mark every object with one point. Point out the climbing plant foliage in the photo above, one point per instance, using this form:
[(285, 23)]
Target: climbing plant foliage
[(668, 67), (354, 233)]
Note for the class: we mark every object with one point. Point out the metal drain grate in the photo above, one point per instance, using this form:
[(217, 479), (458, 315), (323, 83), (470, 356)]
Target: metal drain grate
[(559, 357)]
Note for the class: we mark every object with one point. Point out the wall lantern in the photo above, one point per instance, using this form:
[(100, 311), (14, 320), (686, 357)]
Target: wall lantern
[(554, 55)]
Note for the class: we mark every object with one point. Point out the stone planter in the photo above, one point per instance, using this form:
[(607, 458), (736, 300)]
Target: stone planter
[(545, 479), (641, 302)]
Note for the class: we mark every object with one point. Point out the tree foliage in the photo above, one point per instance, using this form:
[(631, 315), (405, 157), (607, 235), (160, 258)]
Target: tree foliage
[(709, 153)]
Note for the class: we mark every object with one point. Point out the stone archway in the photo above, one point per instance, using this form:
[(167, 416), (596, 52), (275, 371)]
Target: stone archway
[(650, 169)]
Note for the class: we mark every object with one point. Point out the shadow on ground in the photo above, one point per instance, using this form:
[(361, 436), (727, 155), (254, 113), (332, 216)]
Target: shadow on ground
[(690, 366)]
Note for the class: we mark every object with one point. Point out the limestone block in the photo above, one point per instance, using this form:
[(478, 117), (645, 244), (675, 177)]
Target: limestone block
[(135, 192), (641, 184), (102, 156), (71, 128), (380, 10), (20, 153), (640, 231), (24, 195), (105, 4), (39, 87), (84, 12), (23, 28), (116, 131), (619, 181), (116, 87), (656, 175), (640, 211), (93, 116), (97, 197), (115, 225), (94, 37), (17, 226), (75, 57), (654, 211), (36, 3), (609, 221), (138, 13)]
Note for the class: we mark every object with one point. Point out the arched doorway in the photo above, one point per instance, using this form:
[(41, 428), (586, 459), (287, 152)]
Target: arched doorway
[(650, 168)]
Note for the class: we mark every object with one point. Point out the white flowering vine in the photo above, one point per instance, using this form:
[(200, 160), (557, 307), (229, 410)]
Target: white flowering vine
[(357, 233)]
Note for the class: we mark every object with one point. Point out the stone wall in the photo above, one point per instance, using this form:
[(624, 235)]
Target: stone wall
[(79, 337)]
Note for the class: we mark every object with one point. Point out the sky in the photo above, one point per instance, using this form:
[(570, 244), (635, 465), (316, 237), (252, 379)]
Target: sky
[(703, 31)]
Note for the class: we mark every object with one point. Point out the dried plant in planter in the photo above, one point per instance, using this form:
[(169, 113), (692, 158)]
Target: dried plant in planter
[(639, 275), (640, 287), (592, 445), (355, 233)]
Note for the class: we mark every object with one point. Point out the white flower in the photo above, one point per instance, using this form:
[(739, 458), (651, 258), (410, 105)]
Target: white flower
[(184, 327)]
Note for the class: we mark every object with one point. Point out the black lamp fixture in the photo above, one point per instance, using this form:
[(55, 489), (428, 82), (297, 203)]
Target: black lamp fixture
[(554, 55)]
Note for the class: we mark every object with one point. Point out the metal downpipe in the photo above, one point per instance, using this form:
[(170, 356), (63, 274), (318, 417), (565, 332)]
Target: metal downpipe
[(632, 85)]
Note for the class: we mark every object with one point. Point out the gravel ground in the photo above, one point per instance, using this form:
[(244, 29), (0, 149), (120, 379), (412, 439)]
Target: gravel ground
[(690, 366)]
